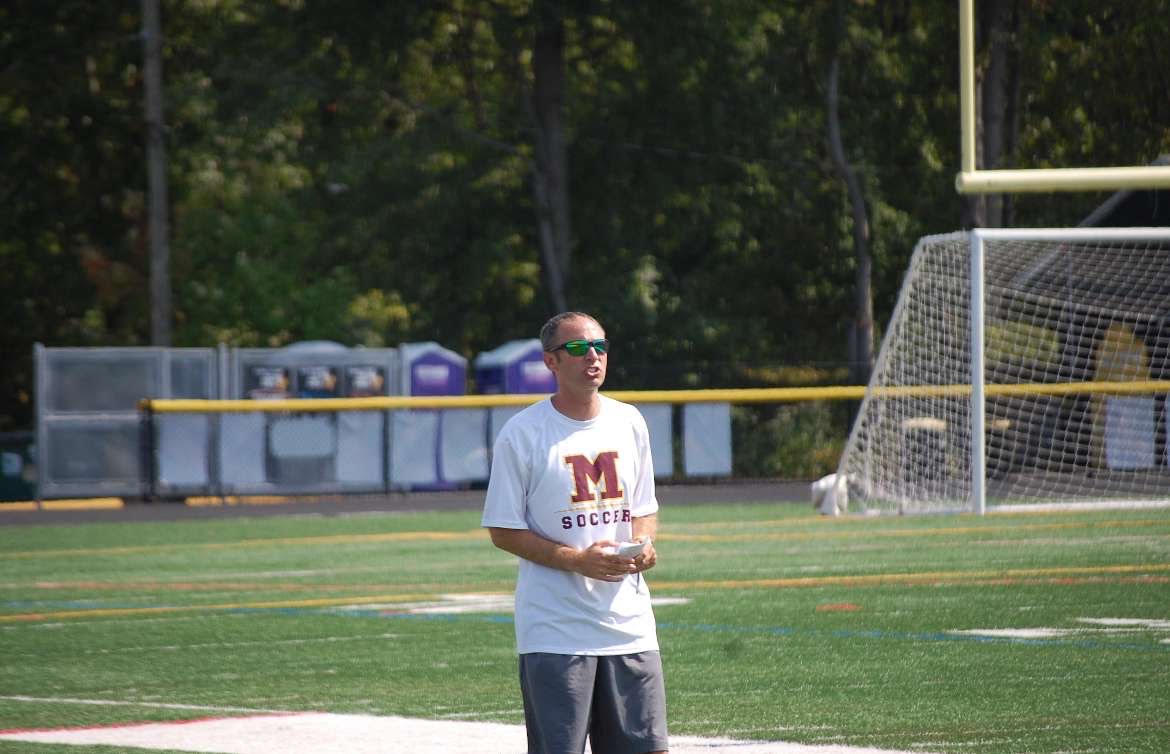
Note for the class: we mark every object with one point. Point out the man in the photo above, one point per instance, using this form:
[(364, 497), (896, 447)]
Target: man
[(571, 478)]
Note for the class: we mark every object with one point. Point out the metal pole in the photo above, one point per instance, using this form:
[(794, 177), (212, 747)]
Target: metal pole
[(978, 399), (148, 440), (156, 162), (41, 438)]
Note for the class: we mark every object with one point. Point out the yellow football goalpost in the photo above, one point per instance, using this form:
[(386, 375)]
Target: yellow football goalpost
[(972, 180)]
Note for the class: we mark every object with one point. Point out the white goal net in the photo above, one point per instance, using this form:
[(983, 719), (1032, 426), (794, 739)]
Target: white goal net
[(1074, 327)]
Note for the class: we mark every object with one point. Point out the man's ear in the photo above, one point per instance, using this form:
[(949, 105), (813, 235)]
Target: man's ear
[(550, 361)]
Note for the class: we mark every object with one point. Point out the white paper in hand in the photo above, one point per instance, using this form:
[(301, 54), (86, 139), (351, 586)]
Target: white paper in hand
[(631, 549)]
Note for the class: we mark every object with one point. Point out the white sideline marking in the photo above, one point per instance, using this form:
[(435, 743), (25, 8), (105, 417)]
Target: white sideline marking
[(1034, 633), (1153, 624), (236, 644), (152, 705), (1091, 505), (474, 602), (1108, 626), (323, 733)]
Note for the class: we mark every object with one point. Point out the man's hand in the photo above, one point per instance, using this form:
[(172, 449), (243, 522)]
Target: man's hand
[(648, 558), (596, 562), (646, 528)]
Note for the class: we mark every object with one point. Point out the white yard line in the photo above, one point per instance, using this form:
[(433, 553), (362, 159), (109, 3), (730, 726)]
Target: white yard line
[(1088, 505), (151, 705), (265, 731), (237, 644)]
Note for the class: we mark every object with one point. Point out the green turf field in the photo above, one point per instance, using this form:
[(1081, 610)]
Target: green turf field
[(1007, 633)]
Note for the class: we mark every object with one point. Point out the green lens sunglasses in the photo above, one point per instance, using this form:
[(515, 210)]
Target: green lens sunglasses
[(581, 347)]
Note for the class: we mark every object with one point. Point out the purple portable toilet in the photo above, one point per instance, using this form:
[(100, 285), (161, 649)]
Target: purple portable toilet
[(433, 449), (430, 369), (515, 367)]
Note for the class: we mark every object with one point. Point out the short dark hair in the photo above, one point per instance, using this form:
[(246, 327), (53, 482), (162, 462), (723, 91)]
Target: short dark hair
[(548, 333)]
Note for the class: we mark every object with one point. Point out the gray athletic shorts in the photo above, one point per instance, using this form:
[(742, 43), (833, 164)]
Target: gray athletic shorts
[(619, 701)]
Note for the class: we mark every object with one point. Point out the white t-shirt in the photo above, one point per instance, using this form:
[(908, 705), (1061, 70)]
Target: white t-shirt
[(575, 482)]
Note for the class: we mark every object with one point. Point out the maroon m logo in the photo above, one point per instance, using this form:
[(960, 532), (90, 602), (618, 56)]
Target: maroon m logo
[(600, 474)]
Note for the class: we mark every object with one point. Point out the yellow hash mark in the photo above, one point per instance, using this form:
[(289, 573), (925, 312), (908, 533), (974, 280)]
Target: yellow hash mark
[(203, 501), (928, 577), (335, 539), (267, 605), (77, 504)]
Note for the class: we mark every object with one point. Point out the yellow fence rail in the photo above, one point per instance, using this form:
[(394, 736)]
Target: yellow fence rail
[(736, 395)]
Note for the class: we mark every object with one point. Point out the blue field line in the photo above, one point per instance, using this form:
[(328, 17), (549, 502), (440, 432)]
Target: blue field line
[(716, 628), (83, 604)]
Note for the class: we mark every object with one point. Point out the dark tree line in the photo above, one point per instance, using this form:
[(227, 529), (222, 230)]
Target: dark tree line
[(719, 181)]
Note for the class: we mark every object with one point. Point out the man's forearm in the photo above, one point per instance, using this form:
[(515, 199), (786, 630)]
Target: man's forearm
[(645, 526), (595, 561), (525, 544)]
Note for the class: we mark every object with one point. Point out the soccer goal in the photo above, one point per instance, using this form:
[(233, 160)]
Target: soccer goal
[(1020, 367)]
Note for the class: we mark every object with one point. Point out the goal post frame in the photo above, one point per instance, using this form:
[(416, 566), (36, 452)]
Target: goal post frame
[(978, 237)]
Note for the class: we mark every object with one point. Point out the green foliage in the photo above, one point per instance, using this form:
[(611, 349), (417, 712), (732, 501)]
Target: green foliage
[(361, 172), (788, 441), (72, 261), (1016, 345)]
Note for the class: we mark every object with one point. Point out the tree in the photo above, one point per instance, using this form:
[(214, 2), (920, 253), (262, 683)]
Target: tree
[(156, 155), (71, 200), (997, 86), (549, 165), (861, 334)]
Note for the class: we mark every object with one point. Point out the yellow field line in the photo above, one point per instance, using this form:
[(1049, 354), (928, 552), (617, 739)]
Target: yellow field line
[(197, 586), (665, 536), (335, 539), (267, 605), (869, 523), (929, 577), (903, 532), (875, 579)]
